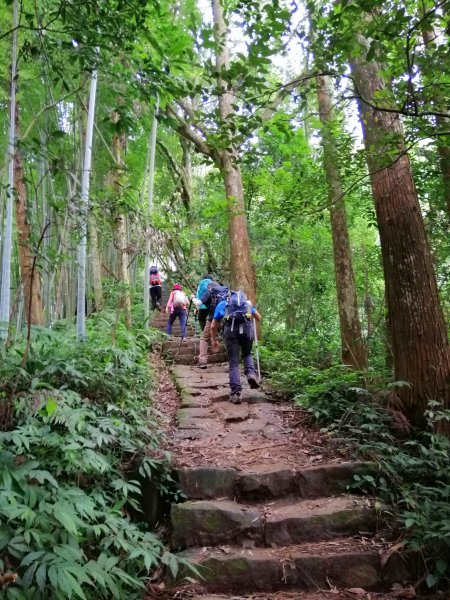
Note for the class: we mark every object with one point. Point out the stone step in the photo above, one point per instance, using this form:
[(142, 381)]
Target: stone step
[(347, 563), (175, 327), (269, 481), (214, 522), (173, 344), (191, 360), (176, 333), (184, 350)]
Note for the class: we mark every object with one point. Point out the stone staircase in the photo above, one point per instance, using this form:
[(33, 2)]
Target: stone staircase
[(273, 529), (274, 523)]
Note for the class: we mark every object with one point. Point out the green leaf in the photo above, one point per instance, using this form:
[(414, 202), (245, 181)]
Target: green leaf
[(50, 406), (66, 520), (41, 576)]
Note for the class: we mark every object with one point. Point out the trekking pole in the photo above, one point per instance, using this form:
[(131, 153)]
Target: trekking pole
[(257, 350)]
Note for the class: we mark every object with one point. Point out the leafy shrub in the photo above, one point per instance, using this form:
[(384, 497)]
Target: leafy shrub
[(414, 480), (81, 420)]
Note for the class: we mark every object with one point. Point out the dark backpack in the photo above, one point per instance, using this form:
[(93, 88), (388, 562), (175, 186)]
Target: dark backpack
[(215, 294)]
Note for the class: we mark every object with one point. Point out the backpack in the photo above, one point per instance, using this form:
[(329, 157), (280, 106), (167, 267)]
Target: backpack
[(215, 294), (202, 289), (179, 299), (238, 312), (155, 278)]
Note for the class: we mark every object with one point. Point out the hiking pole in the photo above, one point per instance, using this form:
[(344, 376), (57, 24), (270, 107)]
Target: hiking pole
[(257, 350)]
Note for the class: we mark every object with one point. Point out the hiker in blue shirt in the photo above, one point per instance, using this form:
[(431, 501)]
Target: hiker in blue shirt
[(238, 336)]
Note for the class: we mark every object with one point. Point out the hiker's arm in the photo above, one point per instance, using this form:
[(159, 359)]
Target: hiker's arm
[(196, 301), (255, 314), (169, 303), (214, 332)]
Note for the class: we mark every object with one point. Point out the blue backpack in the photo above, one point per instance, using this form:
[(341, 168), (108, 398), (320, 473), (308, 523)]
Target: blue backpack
[(202, 289), (237, 310)]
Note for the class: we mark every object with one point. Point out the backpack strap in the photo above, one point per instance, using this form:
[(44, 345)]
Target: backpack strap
[(227, 305)]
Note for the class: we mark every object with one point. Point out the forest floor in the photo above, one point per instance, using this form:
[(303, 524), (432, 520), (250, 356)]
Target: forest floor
[(274, 432)]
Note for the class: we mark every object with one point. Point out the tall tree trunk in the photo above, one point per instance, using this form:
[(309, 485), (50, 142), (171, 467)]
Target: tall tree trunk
[(354, 352), (242, 273), (5, 291), (120, 234), (419, 337), (151, 179), (186, 197), (34, 312), (82, 244)]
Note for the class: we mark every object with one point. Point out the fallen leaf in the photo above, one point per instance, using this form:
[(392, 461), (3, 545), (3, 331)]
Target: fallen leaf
[(357, 591)]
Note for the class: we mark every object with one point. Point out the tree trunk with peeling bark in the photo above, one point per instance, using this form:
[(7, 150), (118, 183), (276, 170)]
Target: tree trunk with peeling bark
[(418, 333), (354, 351), (242, 273), (31, 280)]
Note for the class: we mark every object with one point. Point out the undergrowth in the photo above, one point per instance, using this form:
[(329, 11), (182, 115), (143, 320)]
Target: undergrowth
[(412, 479), (78, 443)]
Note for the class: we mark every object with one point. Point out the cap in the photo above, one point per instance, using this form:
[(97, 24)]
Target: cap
[(177, 286)]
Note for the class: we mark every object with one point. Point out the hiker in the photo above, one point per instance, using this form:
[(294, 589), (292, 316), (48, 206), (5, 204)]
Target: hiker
[(176, 306), (214, 294), (155, 287), (202, 310), (238, 332)]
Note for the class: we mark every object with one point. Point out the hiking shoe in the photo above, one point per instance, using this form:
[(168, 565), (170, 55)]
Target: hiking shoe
[(253, 382), (202, 366), (183, 340), (235, 398)]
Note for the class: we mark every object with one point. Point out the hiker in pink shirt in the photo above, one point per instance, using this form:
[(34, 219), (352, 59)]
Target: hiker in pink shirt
[(176, 307)]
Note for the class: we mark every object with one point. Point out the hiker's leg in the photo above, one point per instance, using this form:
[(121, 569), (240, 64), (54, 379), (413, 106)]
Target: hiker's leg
[(205, 341), (158, 296), (202, 316), (172, 318), (153, 296), (246, 347), (233, 349), (182, 315), (249, 366)]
